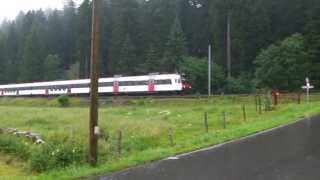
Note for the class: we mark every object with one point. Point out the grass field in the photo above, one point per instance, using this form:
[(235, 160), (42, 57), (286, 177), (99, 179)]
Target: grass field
[(151, 130)]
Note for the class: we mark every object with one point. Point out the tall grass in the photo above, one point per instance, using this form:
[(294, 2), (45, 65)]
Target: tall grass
[(146, 125)]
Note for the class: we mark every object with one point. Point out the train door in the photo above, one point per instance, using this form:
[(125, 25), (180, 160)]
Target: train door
[(116, 86), (69, 90), (152, 88)]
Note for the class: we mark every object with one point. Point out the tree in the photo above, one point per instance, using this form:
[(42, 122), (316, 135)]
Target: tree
[(175, 49), (73, 71), (2, 60), (32, 66), (152, 62), (69, 33), (126, 57), (125, 34), (83, 38), (11, 54), (282, 65), (55, 36), (312, 31), (52, 68), (196, 71)]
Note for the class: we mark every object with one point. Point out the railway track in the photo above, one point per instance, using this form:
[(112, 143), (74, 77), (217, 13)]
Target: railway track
[(124, 98)]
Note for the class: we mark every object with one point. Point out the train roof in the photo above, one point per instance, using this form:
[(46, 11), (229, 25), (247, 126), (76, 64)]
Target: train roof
[(86, 81)]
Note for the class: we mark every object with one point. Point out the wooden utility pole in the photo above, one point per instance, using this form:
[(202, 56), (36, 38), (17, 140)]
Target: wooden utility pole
[(94, 95), (229, 45)]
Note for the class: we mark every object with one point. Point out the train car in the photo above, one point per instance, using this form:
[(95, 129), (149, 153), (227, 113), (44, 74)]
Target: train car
[(147, 84)]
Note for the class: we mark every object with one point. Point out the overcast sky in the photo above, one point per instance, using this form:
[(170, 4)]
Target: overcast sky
[(10, 8)]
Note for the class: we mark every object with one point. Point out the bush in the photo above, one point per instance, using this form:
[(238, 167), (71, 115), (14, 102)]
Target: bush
[(196, 71), (283, 65), (239, 85), (63, 101), (11, 144), (58, 152)]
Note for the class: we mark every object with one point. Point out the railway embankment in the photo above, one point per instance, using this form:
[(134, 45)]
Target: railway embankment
[(287, 152)]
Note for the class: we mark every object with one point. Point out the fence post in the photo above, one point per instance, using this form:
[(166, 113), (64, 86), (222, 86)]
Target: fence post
[(224, 119), (256, 102), (275, 97), (120, 142), (259, 104), (244, 112), (299, 98), (171, 138), (206, 122)]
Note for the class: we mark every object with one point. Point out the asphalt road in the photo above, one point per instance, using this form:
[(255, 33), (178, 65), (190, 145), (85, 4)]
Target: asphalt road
[(305, 167), (278, 154)]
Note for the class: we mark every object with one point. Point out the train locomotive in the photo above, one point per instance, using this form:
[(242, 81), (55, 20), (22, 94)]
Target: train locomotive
[(146, 84)]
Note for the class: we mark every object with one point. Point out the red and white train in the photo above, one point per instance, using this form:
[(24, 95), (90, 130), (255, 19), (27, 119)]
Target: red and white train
[(148, 84)]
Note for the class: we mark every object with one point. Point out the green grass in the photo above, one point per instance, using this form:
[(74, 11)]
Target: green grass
[(145, 125), (11, 166)]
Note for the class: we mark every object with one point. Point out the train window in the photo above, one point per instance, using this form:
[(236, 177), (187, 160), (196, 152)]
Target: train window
[(24, 88), (80, 85), (106, 84), (40, 87), (163, 81), (133, 83)]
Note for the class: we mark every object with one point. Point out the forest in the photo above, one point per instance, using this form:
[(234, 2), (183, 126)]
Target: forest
[(274, 44)]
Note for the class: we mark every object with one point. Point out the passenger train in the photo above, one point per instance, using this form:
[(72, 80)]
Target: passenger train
[(147, 84)]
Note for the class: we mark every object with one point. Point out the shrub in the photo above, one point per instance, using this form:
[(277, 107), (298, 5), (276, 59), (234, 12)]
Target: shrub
[(58, 152), (14, 145), (63, 101)]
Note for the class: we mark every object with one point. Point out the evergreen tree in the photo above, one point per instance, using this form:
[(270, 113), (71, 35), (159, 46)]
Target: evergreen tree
[(175, 49), (127, 56), (54, 36), (83, 38), (69, 33), (52, 68), (152, 62), (125, 29), (32, 66), (105, 67), (12, 51), (2, 60)]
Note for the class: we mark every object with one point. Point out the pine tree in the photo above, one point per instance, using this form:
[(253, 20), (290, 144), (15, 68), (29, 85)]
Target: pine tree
[(2, 60), (125, 32), (175, 49), (69, 33), (125, 63), (152, 62), (52, 68), (83, 38), (32, 66), (54, 35)]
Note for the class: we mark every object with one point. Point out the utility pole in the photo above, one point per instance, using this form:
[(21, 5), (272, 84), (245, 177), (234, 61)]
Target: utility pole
[(94, 95), (209, 70), (229, 44)]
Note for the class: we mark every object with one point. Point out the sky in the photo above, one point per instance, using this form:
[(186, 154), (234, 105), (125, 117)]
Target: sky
[(9, 9)]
